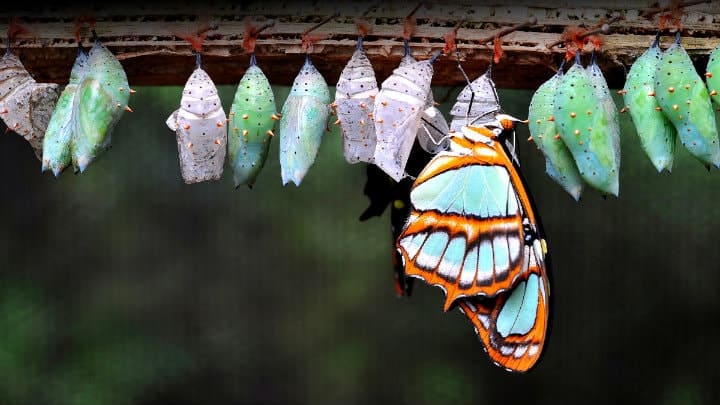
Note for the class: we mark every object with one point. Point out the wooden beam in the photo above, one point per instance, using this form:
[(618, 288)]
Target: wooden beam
[(144, 37)]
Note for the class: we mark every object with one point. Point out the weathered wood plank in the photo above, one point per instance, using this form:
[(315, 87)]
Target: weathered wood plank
[(143, 37)]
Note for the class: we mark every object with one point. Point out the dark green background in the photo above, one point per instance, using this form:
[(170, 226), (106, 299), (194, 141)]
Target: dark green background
[(124, 285)]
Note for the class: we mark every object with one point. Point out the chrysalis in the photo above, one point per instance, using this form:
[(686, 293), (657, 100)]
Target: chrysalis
[(476, 103), (25, 105), (62, 128), (583, 123), (713, 75), (602, 93), (200, 130), (101, 99), (431, 134), (252, 117), (559, 163), (354, 100), (303, 122), (398, 111), (684, 99), (657, 134)]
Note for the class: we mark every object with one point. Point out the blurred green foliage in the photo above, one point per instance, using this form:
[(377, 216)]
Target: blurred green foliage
[(124, 285)]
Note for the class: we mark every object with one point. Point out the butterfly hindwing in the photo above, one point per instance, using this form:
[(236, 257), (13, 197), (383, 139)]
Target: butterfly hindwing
[(513, 325)]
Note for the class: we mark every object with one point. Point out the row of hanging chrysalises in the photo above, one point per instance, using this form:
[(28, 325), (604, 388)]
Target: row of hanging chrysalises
[(572, 117)]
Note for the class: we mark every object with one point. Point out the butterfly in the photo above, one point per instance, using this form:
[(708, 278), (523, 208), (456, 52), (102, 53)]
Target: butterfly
[(473, 232)]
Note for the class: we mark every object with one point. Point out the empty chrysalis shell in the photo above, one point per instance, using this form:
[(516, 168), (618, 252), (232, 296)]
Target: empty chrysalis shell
[(433, 126), (657, 134), (200, 130), (354, 100), (303, 123), (713, 75), (25, 105), (398, 110), (559, 162), (476, 104), (252, 118), (100, 100), (684, 99), (583, 123), (62, 126)]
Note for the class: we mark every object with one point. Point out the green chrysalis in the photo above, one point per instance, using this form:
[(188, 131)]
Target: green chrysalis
[(61, 128), (684, 100), (657, 134), (713, 75), (303, 123), (252, 118), (585, 127), (559, 163), (100, 101)]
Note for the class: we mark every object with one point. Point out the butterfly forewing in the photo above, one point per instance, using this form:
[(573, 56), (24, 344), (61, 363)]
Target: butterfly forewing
[(467, 225), (513, 325)]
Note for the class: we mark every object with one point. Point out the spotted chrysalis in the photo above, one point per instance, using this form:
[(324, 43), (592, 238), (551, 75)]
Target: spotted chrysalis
[(303, 123), (252, 118), (200, 129), (657, 134)]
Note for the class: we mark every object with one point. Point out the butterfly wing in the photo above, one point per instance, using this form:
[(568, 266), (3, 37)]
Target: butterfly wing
[(468, 222), (513, 325)]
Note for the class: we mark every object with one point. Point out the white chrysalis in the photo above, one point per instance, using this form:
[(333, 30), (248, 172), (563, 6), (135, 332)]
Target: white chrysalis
[(25, 105), (200, 129), (398, 111), (431, 133), (354, 100), (476, 104)]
